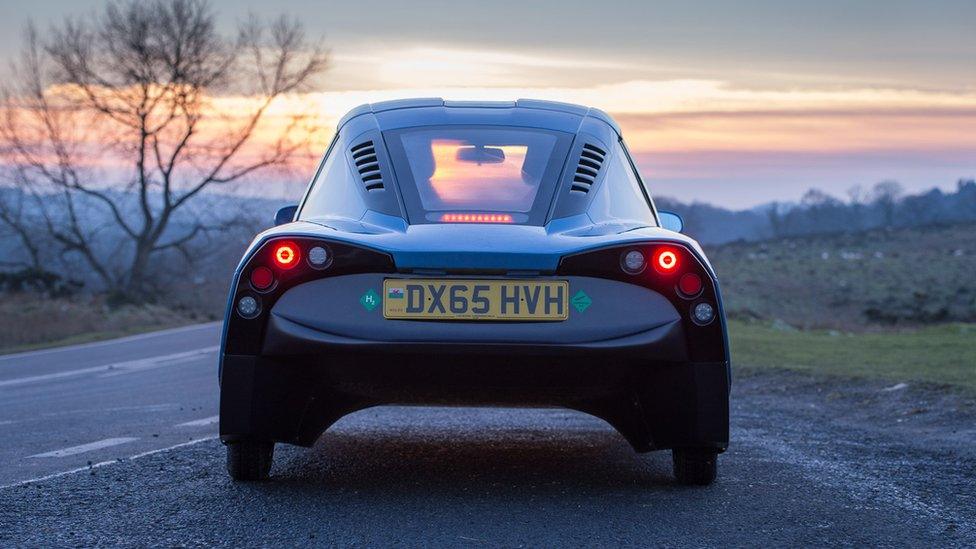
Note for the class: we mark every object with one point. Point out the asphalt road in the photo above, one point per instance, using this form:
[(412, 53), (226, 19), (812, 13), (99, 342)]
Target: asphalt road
[(112, 444), (64, 408)]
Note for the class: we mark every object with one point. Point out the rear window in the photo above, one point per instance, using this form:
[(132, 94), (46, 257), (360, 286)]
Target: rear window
[(477, 174)]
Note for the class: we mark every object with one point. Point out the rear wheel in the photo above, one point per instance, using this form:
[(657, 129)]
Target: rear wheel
[(695, 466), (249, 460)]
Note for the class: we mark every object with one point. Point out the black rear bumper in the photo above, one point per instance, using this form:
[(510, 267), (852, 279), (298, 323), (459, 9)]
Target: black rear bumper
[(642, 384), (287, 338)]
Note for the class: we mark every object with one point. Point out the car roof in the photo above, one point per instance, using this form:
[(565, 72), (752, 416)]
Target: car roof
[(537, 108)]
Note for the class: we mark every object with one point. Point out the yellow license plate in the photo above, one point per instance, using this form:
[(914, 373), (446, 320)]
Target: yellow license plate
[(442, 299)]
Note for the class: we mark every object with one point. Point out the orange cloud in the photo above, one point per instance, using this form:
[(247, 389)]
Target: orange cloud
[(813, 131), (706, 124), (687, 115)]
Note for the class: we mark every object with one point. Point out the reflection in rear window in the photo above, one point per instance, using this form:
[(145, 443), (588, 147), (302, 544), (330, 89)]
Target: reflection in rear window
[(477, 169)]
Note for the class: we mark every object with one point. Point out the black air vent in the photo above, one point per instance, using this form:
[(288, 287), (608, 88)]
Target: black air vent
[(590, 161), (368, 166)]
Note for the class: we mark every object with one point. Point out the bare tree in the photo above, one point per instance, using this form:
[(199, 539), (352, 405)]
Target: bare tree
[(14, 214), (885, 196), (857, 197), (775, 219), (120, 112)]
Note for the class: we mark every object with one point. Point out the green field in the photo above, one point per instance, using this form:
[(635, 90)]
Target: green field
[(856, 281), (897, 305), (942, 354)]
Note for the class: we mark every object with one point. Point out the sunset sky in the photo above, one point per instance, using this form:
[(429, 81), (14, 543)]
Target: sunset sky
[(733, 103)]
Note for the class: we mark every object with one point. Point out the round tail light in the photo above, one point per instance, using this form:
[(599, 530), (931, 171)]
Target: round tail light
[(703, 313), (632, 262), (248, 307), (689, 284), (319, 257), (286, 255), (262, 278), (666, 260)]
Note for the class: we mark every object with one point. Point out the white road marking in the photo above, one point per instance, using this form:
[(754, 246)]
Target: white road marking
[(82, 448), (165, 407), (125, 339), (158, 362), (201, 422), (128, 366), (104, 463)]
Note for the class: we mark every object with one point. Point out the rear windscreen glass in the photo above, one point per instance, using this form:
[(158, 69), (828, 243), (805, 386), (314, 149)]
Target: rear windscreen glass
[(477, 174)]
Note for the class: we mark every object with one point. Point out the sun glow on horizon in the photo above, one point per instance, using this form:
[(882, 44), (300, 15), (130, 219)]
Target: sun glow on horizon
[(691, 115), (696, 123)]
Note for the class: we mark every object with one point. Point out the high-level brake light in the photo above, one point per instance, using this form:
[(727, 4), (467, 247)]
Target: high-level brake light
[(476, 218), (286, 255)]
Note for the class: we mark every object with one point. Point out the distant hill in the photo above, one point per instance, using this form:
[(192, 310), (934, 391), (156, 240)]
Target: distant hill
[(883, 206), (714, 225)]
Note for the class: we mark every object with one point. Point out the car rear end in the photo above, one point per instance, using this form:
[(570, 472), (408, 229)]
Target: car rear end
[(629, 333), (508, 265)]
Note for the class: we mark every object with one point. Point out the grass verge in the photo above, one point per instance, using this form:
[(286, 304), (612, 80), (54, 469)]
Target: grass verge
[(944, 354), (29, 322)]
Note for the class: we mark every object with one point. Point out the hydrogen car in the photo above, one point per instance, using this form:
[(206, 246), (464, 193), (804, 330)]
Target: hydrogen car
[(476, 253)]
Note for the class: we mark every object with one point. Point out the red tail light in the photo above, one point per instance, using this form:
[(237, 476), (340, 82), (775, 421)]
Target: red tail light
[(475, 218), (286, 255), (675, 272), (690, 284), (262, 278), (666, 260)]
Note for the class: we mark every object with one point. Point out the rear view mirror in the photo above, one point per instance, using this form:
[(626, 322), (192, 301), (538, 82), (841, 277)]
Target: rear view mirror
[(285, 215), (671, 221), (480, 155)]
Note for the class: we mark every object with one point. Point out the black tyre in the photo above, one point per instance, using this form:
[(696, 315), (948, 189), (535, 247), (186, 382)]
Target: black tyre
[(249, 460), (695, 466)]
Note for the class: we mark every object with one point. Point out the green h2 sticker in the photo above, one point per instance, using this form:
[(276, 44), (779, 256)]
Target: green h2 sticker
[(370, 300), (581, 301)]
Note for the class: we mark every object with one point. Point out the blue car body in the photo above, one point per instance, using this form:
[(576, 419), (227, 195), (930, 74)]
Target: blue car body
[(566, 235)]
